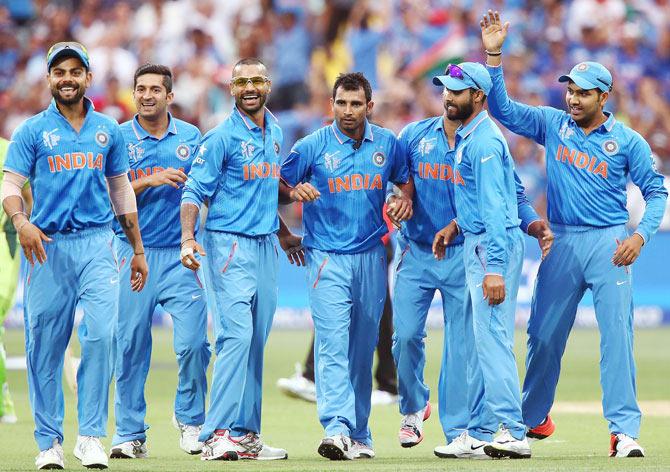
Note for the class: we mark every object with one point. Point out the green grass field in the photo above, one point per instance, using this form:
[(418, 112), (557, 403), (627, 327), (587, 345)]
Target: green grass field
[(580, 442)]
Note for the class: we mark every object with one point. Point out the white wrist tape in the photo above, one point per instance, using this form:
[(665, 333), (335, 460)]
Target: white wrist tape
[(121, 195), (11, 185)]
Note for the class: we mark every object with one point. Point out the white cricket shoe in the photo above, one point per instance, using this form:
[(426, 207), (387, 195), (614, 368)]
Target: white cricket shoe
[(135, 449), (505, 445), (337, 448), (188, 439), (622, 445), (250, 446), (219, 447), (298, 386), (361, 450), (382, 397), (52, 458), (462, 447), (90, 452), (411, 427)]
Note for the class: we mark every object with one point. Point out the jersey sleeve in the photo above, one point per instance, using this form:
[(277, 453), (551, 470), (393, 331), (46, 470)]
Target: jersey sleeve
[(644, 174), (21, 152), (487, 166), (296, 167), (117, 159), (203, 178), (527, 213), (519, 118), (400, 169)]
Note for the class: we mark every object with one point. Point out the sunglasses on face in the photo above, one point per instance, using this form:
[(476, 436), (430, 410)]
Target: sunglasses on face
[(257, 81), (457, 73)]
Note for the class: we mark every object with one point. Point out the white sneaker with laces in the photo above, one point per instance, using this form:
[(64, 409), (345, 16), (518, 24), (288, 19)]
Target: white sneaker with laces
[(336, 448), (188, 439), (219, 447), (90, 452), (622, 445), (361, 450), (462, 447), (411, 427), (52, 458), (250, 446), (505, 445), (298, 386), (134, 449)]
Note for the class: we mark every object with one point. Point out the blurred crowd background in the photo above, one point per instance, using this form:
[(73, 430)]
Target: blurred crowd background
[(398, 44)]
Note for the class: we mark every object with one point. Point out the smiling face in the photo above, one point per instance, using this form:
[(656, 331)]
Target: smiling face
[(151, 96), (585, 106), (68, 80), (250, 86), (350, 109)]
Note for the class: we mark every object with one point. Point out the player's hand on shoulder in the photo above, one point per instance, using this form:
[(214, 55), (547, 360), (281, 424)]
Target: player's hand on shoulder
[(292, 246), (304, 192), (494, 31), (169, 176), (493, 288), (30, 238), (540, 230), (443, 238), (399, 208), (189, 248), (628, 250), (139, 272)]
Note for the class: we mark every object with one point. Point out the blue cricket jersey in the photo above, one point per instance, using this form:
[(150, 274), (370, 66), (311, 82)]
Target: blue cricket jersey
[(67, 169), (347, 218), (487, 199), (431, 163), (586, 175), (237, 167), (158, 207)]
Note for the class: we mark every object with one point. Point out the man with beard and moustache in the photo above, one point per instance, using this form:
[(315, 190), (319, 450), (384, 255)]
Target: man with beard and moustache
[(161, 149), (75, 160), (340, 173), (430, 258), (486, 205), (589, 158), (236, 168)]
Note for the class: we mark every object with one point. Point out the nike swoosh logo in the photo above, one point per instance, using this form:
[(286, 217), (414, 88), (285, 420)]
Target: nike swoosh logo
[(113, 280), (487, 158), (195, 297), (473, 448), (621, 283), (478, 285)]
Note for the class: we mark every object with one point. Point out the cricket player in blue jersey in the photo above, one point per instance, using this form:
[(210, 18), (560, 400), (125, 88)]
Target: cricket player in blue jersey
[(589, 157), (236, 169), (161, 149), (486, 205), (430, 148), (72, 155), (340, 172)]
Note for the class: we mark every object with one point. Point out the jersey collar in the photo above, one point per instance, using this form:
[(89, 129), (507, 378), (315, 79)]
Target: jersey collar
[(238, 115), (142, 134), (343, 138), (88, 105), (464, 131)]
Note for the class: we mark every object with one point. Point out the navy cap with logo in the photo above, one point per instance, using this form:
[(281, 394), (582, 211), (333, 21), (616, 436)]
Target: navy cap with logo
[(588, 76), (67, 49)]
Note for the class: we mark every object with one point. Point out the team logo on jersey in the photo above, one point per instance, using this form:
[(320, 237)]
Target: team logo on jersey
[(582, 67), (426, 145), (102, 138), (378, 159), (331, 163), (50, 138), (183, 152), (277, 148), (610, 147), (247, 149), (565, 132), (135, 152)]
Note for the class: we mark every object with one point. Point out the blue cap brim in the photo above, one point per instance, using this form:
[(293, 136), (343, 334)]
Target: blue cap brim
[(68, 52), (582, 83), (451, 83)]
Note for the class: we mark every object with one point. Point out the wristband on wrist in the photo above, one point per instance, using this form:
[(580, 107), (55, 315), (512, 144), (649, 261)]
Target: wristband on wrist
[(139, 253), (187, 239), (18, 230), (20, 212), (493, 53)]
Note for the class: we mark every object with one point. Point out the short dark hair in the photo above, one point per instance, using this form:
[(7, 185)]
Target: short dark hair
[(249, 61), (157, 69), (353, 81)]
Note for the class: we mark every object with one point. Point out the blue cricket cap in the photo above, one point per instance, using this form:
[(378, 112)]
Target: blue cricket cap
[(465, 75), (588, 76), (67, 49)]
